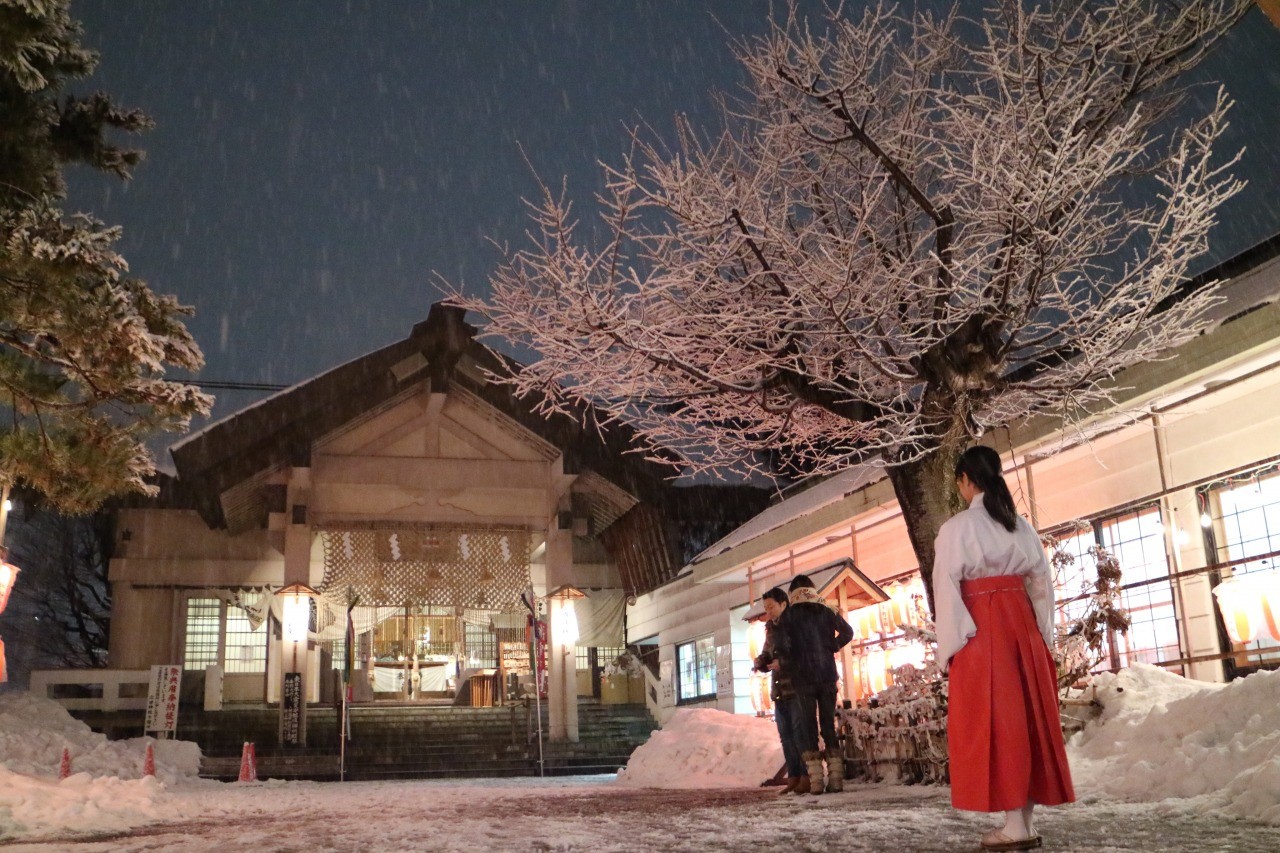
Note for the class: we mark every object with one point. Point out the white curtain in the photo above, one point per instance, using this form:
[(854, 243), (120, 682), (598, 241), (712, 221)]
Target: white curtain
[(601, 618)]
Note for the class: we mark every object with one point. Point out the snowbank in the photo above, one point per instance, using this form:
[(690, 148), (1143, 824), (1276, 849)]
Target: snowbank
[(705, 748), (1209, 748), (34, 731), (106, 791)]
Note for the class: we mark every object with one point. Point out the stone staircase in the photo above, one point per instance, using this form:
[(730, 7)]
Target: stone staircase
[(419, 741)]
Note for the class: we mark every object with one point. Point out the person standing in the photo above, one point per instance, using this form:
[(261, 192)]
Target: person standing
[(811, 634), (775, 604), (993, 595)]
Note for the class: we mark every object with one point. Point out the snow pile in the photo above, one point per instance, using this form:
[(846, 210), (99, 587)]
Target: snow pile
[(705, 748), (1200, 746), (106, 791), (34, 731)]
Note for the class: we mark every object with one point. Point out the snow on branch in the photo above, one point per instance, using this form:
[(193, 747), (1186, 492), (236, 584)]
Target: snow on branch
[(909, 227)]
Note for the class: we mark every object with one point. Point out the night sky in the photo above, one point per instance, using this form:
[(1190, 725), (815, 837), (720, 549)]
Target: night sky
[(315, 161)]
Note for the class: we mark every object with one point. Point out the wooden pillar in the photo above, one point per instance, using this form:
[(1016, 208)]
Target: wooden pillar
[(562, 676), (295, 656)]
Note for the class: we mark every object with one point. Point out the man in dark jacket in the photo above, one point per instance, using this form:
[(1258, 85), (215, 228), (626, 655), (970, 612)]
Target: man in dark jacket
[(784, 699), (811, 634)]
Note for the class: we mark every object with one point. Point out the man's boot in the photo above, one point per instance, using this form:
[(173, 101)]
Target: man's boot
[(792, 783), (802, 785), (835, 771), (813, 760)]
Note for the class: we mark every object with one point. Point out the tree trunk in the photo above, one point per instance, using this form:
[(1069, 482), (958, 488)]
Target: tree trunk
[(927, 496)]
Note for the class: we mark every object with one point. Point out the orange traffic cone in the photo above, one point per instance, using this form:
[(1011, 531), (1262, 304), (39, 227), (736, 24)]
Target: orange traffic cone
[(248, 764), (149, 763), (65, 770)]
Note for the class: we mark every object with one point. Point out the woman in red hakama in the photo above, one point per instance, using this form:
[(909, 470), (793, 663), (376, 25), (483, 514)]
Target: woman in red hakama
[(994, 601)]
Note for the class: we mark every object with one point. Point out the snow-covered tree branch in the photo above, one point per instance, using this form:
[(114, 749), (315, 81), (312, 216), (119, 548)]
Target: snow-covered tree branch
[(83, 348), (908, 230)]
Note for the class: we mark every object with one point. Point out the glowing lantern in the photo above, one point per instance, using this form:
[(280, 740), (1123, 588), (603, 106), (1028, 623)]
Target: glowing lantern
[(8, 576), (295, 611), (760, 699), (1250, 605), (877, 672), (866, 621), (1270, 601), (755, 638)]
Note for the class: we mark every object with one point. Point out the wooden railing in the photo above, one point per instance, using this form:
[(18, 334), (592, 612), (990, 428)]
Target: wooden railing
[(106, 683)]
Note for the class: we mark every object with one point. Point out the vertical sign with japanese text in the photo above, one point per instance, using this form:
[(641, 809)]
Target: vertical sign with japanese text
[(162, 698), (292, 702)]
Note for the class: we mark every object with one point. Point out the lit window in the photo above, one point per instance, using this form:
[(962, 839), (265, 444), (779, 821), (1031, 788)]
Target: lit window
[(221, 634), (246, 649), (696, 670), (1249, 527), (204, 630)]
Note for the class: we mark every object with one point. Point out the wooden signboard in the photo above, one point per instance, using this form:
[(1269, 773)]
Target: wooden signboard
[(515, 658)]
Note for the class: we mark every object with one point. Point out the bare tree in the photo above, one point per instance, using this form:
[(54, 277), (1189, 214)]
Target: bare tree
[(60, 614), (907, 231)]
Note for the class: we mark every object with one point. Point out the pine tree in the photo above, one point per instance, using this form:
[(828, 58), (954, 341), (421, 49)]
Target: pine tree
[(83, 347)]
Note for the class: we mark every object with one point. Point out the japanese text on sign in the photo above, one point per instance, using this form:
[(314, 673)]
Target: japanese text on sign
[(292, 701), (162, 698)]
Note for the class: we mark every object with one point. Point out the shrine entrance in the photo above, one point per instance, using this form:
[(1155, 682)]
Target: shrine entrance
[(436, 614)]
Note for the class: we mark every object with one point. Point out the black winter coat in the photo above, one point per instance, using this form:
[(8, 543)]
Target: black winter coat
[(810, 635)]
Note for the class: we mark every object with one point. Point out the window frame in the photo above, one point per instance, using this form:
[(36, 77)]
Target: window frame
[(210, 604), (1118, 651), (703, 671)]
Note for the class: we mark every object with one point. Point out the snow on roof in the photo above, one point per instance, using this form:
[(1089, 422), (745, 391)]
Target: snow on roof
[(835, 488), (193, 435)]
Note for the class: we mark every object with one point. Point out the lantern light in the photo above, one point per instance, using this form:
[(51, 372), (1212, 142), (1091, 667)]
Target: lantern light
[(1205, 520), (8, 576), (564, 619), (1250, 605), (295, 611)]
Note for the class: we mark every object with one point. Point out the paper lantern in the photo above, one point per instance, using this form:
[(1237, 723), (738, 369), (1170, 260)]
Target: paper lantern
[(866, 622), (1269, 599), (8, 576), (1240, 605), (877, 672), (295, 611), (755, 638)]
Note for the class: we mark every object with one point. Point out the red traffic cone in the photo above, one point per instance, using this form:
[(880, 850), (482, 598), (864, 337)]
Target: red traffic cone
[(248, 764), (149, 763), (65, 770)]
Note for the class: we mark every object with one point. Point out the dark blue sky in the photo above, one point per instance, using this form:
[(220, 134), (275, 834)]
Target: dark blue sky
[(315, 161)]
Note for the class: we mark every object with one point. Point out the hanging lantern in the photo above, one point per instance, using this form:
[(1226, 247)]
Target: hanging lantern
[(295, 611), (760, 699), (890, 617), (1269, 599), (866, 622), (877, 672), (755, 638), (1241, 607), (8, 576)]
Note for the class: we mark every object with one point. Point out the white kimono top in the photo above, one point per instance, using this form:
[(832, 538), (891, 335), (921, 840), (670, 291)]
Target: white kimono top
[(972, 545)]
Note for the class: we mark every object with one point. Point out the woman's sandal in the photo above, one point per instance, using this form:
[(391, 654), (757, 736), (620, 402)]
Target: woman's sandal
[(997, 840)]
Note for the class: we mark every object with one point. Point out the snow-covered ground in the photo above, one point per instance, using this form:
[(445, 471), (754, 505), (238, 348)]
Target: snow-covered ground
[(1170, 765)]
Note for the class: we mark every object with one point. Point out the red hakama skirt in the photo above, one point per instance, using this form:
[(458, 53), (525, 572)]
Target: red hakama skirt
[(1003, 730)]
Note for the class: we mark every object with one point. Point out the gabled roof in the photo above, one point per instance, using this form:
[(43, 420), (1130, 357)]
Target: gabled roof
[(827, 581), (227, 465)]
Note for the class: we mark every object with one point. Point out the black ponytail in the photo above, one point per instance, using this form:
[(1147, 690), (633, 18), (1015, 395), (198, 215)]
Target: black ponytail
[(982, 466)]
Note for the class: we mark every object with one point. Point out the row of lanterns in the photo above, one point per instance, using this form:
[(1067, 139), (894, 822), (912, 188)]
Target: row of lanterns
[(1250, 605), (903, 609)]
